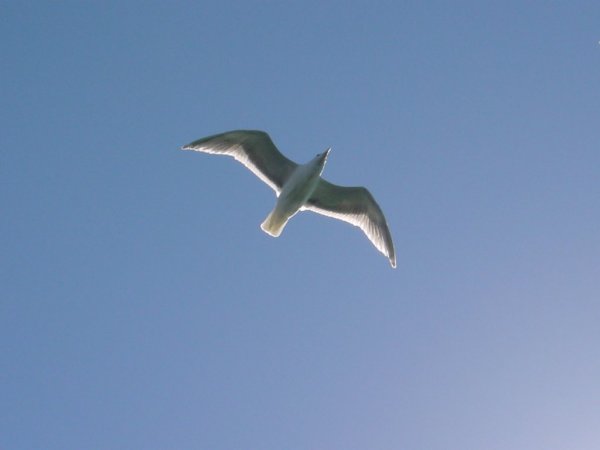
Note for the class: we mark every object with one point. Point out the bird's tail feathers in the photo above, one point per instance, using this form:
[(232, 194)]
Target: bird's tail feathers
[(274, 224)]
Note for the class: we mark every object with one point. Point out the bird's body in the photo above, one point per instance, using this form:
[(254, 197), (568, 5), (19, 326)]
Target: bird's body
[(294, 194), (300, 187)]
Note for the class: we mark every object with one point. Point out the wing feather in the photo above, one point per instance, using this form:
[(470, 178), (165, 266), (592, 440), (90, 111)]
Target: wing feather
[(254, 149), (356, 206)]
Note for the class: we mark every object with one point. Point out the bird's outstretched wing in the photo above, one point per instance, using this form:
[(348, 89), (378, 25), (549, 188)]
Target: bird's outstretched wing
[(356, 206), (254, 149)]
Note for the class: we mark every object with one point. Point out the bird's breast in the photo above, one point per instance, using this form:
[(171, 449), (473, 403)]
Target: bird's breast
[(299, 187)]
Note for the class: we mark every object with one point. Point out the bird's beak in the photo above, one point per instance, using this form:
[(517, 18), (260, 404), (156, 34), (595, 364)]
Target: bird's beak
[(325, 154)]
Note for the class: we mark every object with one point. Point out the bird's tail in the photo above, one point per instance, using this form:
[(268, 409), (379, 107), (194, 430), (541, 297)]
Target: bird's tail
[(274, 224)]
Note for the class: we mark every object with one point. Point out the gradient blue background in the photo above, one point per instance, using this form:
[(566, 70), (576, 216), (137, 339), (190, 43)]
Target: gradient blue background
[(142, 306)]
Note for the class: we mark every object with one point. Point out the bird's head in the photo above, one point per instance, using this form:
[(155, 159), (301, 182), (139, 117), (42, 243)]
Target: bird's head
[(321, 158)]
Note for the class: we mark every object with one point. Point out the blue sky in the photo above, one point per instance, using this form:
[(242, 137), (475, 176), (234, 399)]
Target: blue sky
[(142, 306)]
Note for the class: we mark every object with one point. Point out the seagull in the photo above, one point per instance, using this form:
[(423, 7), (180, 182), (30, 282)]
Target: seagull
[(299, 187)]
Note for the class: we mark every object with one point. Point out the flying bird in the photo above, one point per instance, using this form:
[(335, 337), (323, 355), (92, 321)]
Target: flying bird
[(299, 187)]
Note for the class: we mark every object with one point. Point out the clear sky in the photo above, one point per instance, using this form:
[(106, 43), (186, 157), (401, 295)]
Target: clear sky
[(141, 306)]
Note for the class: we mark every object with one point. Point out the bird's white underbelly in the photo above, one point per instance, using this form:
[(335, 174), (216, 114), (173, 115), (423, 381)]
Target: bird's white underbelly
[(296, 191)]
